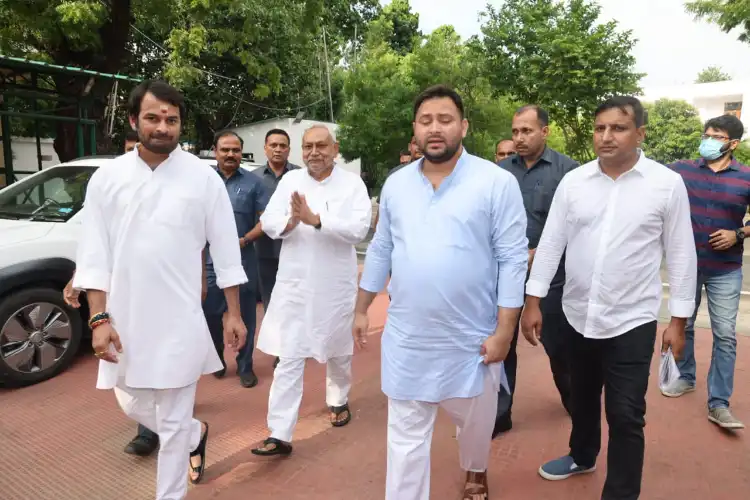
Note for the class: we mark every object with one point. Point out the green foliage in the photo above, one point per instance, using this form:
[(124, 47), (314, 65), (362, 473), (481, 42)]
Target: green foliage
[(236, 60), (673, 131), (727, 14), (558, 55), (377, 120), (712, 74), (556, 139), (742, 153), (405, 36)]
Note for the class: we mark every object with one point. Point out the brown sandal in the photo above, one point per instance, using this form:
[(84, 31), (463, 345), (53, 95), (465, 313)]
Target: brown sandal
[(337, 411), (476, 486)]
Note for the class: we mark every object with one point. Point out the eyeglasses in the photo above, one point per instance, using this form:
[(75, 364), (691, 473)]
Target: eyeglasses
[(722, 138)]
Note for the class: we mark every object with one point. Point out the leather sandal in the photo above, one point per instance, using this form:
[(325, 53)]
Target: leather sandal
[(476, 486), (279, 448), (200, 451), (338, 410)]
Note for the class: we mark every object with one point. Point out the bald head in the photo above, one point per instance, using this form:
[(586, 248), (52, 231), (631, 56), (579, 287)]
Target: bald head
[(320, 129), (504, 149), (319, 150)]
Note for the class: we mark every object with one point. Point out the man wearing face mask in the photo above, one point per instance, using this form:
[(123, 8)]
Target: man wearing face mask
[(719, 191)]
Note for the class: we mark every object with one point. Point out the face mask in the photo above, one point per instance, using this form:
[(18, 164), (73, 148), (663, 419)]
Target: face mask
[(712, 149)]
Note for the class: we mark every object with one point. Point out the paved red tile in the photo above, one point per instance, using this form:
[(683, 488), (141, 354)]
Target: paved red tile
[(63, 440)]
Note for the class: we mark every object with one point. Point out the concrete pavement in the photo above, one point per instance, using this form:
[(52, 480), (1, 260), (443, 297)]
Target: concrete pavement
[(63, 440)]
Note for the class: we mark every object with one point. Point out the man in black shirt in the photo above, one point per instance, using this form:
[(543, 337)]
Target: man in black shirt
[(538, 170), (277, 149)]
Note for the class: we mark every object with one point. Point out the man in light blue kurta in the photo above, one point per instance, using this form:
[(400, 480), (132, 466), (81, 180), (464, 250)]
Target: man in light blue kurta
[(458, 255)]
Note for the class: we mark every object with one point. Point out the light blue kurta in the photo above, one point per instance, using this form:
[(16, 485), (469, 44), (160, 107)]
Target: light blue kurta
[(456, 254)]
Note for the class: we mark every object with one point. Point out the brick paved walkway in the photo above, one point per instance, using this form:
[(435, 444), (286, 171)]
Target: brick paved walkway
[(63, 440)]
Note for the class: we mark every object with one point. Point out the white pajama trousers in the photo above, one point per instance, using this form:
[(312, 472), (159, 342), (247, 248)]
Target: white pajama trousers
[(169, 413), (286, 392), (410, 426)]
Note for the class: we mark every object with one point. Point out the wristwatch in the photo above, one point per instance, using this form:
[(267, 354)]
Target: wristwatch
[(740, 234)]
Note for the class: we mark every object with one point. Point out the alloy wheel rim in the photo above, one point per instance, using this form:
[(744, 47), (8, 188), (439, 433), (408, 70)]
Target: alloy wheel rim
[(35, 337)]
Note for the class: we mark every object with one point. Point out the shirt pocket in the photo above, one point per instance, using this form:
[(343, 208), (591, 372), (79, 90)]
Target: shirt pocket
[(541, 199), (243, 202)]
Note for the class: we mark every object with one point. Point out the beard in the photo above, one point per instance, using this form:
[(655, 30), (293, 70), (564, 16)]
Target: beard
[(443, 156), (165, 147), (161, 148)]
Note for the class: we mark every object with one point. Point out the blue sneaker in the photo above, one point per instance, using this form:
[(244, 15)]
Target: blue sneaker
[(562, 468)]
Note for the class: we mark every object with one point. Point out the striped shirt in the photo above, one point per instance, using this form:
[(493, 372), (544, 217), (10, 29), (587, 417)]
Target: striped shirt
[(718, 200)]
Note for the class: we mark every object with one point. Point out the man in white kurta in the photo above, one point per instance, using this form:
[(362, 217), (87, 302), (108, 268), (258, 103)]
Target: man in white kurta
[(144, 229), (321, 212)]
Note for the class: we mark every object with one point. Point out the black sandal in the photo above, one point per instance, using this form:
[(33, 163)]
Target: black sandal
[(338, 410), (279, 448), (200, 451)]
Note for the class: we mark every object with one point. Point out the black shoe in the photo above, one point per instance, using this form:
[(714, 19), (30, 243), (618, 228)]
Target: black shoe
[(503, 424), (248, 380), (142, 446), (222, 372)]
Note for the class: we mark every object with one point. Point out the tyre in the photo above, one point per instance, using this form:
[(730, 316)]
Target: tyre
[(39, 336)]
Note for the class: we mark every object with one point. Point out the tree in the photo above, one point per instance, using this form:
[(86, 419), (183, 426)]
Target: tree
[(377, 120), (559, 56), (405, 36), (712, 74), (673, 131), (236, 60), (727, 14), (375, 123)]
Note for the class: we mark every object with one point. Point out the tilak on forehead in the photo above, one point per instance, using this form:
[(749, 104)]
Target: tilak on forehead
[(164, 109)]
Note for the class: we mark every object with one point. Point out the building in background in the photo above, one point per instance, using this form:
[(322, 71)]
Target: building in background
[(254, 135), (710, 99), (25, 161)]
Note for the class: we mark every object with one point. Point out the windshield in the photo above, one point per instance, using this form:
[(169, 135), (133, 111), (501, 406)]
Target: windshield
[(55, 195)]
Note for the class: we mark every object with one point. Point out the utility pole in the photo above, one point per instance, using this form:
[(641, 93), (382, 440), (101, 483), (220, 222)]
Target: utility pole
[(328, 75), (354, 45)]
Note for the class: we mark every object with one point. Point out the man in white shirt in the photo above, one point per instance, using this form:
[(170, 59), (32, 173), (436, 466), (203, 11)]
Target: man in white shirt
[(147, 218), (321, 212), (617, 216)]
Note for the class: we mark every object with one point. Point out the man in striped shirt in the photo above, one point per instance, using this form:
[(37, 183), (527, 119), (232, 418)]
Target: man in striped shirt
[(719, 191)]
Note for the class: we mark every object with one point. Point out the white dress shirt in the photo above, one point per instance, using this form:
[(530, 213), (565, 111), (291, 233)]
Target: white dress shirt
[(143, 234), (616, 232)]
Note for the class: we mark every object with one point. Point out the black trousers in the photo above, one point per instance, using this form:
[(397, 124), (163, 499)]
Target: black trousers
[(555, 341), (267, 269), (145, 432), (621, 366)]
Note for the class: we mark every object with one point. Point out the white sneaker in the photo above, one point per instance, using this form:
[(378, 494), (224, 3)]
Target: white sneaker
[(677, 389), (724, 418)]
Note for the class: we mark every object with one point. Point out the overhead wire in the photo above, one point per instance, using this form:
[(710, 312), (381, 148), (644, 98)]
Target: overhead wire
[(210, 73)]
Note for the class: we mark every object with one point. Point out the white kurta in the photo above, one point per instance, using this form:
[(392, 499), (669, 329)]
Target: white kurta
[(143, 234), (311, 311)]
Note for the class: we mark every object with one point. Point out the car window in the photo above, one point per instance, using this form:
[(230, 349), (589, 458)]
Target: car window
[(55, 194)]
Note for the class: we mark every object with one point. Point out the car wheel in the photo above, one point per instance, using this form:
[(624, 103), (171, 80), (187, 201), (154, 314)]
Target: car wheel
[(39, 336)]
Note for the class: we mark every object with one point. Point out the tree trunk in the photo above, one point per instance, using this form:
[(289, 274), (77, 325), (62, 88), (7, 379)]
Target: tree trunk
[(114, 36)]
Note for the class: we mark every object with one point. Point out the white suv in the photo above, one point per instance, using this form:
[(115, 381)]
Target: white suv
[(40, 218)]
